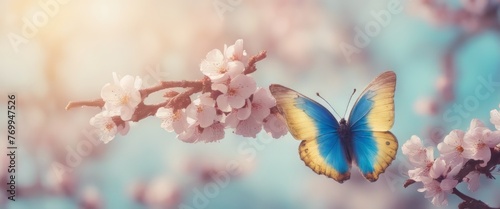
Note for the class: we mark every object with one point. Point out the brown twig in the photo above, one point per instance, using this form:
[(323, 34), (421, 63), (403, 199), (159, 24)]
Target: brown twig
[(469, 202), (171, 84), (408, 183), (250, 68)]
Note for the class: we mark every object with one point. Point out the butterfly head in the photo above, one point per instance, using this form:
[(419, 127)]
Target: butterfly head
[(343, 121)]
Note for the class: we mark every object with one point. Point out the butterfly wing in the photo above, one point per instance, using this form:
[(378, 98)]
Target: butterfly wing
[(373, 146), (321, 149)]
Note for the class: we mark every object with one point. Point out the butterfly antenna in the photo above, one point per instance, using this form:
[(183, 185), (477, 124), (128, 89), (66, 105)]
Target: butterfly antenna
[(327, 103), (349, 102)]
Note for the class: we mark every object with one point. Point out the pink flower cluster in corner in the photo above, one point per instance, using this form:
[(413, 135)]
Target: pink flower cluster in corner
[(438, 175), (235, 102)]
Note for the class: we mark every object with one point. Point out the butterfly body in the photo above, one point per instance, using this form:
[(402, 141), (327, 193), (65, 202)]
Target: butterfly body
[(328, 146)]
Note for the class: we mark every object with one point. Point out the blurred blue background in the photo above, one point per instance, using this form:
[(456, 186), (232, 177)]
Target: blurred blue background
[(440, 51)]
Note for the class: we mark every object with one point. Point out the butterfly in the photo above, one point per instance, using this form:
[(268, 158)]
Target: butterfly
[(329, 147)]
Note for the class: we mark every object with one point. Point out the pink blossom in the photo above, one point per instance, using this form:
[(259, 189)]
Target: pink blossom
[(478, 141), (235, 52), (275, 125), (262, 103), (107, 127), (416, 152), (202, 110), (122, 97), (438, 191), (452, 147), (495, 118), (240, 88), (472, 180), (440, 169), (194, 133), (191, 134), (244, 112), (218, 68), (231, 120), (248, 128), (172, 121), (213, 133), (423, 164)]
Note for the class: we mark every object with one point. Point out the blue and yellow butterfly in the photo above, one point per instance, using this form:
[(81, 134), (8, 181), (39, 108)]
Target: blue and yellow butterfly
[(329, 147)]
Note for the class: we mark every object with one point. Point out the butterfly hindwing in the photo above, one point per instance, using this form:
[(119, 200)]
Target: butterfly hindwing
[(326, 156), (321, 149), (373, 146)]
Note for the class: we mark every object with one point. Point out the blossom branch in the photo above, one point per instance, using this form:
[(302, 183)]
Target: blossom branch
[(250, 68), (171, 84), (469, 202), (464, 156), (197, 86), (474, 165), (226, 97)]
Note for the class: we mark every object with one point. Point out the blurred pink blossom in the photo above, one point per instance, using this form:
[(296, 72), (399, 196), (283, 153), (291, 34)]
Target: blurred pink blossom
[(476, 7), (426, 106), (162, 192), (91, 199)]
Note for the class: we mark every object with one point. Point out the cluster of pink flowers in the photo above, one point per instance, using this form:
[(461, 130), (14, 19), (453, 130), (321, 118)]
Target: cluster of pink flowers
[(438, 175), (121, 99), (234, 101)]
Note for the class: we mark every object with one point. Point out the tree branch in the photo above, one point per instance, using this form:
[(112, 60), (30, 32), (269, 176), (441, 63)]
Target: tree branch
[(174, 99), (469, 202), (474, 165), (250, 68)]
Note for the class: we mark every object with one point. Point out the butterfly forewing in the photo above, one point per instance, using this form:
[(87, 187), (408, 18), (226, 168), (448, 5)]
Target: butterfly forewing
[(373, 146)]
